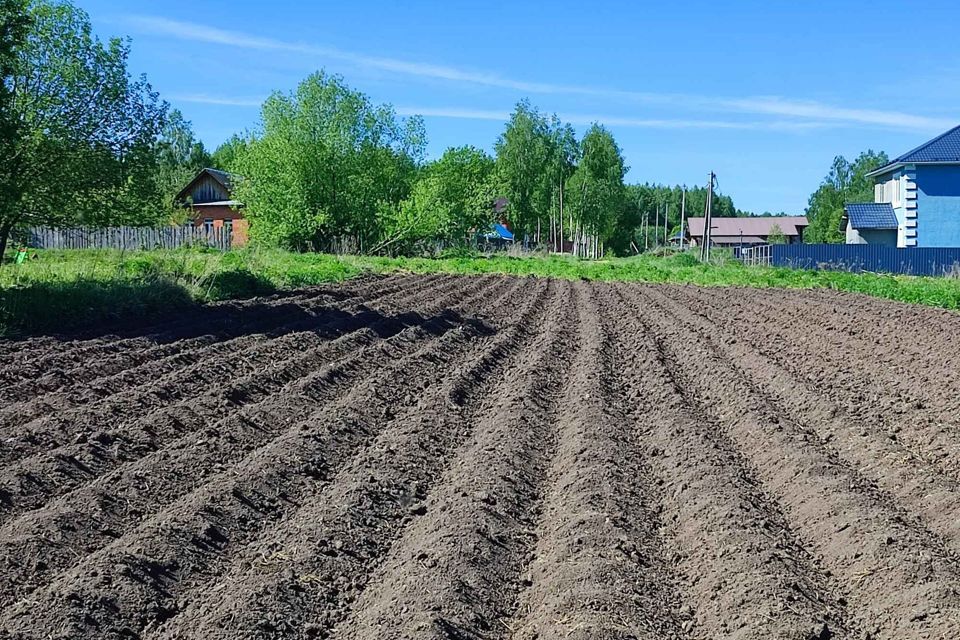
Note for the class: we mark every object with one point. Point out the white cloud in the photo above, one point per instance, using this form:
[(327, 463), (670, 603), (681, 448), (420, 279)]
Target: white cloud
[(612, 121), (800, 110), (226, 101)]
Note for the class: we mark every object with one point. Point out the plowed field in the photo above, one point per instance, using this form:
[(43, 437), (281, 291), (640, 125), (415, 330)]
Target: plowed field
[(452, 457)]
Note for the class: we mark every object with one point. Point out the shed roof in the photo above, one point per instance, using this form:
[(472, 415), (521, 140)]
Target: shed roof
[(945, 148), (869, 215), (748, 226)]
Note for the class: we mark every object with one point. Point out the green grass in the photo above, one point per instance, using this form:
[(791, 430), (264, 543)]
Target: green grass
[(65, 289)]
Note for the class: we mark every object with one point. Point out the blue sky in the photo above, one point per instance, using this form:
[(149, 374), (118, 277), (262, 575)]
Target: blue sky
[(763, 93)]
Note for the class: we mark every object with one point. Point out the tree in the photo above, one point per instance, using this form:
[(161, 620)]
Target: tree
[(179, 156), (776, 235), (86, 127), (452, 197), (226, 156), (845, 183), (526, 162), (325, 164), (596, 190), (15, 23)]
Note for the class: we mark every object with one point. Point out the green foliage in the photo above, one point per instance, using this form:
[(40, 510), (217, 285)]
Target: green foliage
[(83, 150), (453, 196), (776, 235), (846, 182), (325, 164), (179, 157), (651, 207), (595, 190), (227, 155), (535, 157)]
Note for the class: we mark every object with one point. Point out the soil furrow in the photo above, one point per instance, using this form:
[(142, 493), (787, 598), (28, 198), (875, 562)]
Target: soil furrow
[(95, 378), (885, 456), (598, 569), (456, 571), (744, 573), (131, 333), (328, 549), (907, 404), (131, 585), (105, 509), (868, 543), (487, 458), (206, 390), (46, 367)]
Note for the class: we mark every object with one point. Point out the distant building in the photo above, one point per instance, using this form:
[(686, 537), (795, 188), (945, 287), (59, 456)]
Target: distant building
[(209, 196), (747, 232), (921, 191)]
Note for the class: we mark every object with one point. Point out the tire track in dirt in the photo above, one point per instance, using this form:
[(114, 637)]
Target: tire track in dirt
[(97, 378), (458, 568), (899, 579), (743, 572), (103, 510), (135, 579), (353, 524)]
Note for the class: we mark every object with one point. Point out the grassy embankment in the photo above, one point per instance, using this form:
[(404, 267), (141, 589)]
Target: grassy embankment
[(64, 289)]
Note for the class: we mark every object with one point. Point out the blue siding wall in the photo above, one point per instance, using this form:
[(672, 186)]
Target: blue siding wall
[(938, 206), (866, 257)]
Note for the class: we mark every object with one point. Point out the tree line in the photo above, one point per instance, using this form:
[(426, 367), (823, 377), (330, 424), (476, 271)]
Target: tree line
[(84, 142)]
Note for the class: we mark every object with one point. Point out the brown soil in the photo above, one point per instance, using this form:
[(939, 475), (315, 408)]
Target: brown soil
[(497, 458)]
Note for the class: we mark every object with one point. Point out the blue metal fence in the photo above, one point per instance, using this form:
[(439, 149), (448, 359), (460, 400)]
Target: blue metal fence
[(868, 257)]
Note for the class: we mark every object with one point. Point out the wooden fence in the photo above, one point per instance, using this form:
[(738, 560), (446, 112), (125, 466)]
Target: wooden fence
[(126, 238)]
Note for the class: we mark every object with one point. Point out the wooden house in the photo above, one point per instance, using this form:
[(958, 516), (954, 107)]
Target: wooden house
[(209, 196)]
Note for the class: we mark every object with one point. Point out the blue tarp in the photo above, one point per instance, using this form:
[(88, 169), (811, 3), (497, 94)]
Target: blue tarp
[(498, 232), (502, 231)]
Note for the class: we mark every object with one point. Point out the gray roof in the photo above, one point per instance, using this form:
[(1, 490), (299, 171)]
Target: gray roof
[(748, 226), (870, 215)]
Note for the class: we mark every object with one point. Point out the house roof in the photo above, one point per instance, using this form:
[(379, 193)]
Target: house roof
[(869, 215), (226, 179), (945, 148), (748, 226), (737, 239)]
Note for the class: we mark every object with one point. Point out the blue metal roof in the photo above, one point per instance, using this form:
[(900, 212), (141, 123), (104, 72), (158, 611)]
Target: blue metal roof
[(871, 215), (943, 148)]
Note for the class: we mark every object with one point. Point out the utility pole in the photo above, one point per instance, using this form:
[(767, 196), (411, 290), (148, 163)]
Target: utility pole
[(708, 221), (646, 230), (683, 213), (656, 228), (666, 225)]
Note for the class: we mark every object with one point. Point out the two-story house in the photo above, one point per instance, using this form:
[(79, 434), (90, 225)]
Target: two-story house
[(916, 199)]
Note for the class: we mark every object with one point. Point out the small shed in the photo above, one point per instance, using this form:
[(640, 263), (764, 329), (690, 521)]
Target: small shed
[(870, 223)]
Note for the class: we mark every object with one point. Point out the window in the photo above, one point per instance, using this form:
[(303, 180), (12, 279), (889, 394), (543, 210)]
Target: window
[(208, 225)]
